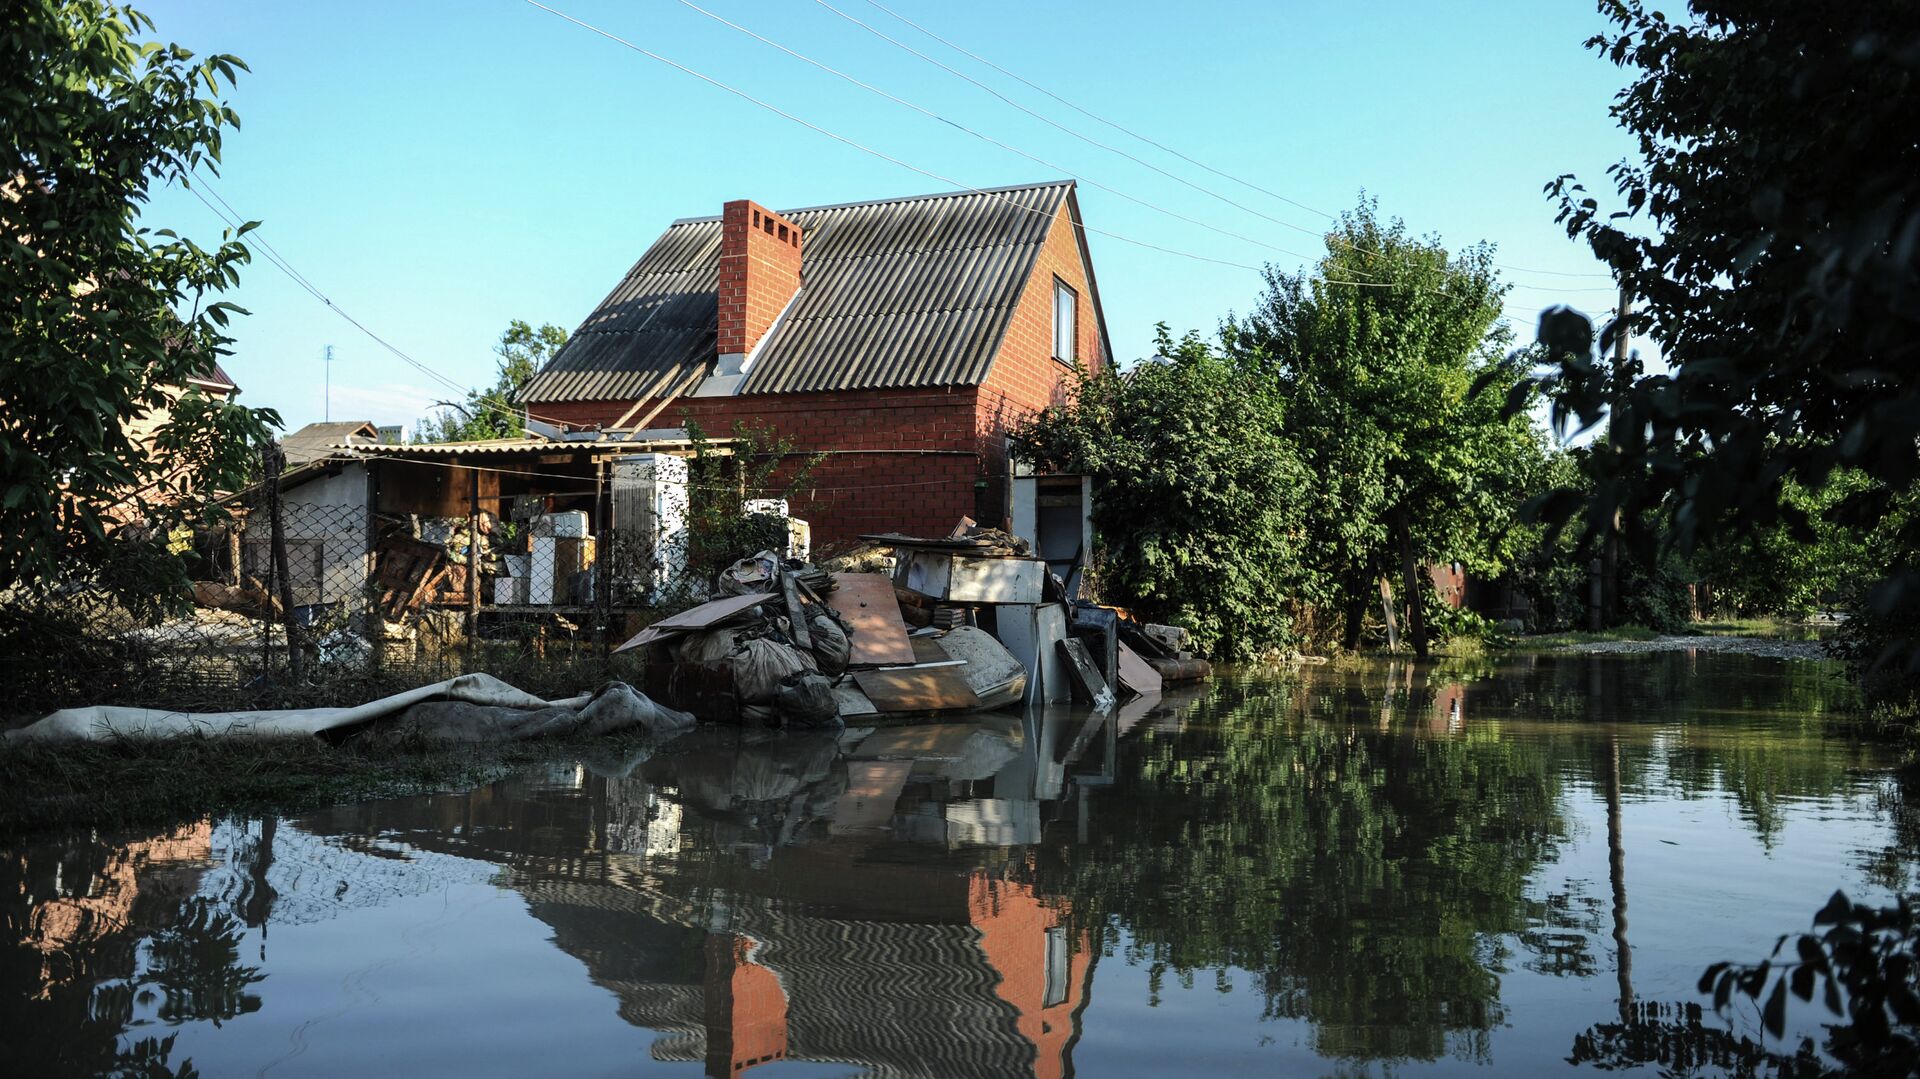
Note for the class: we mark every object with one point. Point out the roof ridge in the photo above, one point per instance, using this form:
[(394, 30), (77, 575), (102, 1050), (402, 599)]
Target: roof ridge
[(929, 197)]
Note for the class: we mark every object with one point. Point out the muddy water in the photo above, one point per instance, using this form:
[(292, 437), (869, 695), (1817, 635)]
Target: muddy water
[(1508, 868)]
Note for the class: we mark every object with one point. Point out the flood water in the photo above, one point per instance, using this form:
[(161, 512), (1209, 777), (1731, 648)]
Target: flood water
[(1506, 867)]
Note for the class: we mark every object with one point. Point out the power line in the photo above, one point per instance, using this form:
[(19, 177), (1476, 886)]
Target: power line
[(280, 262), (1049, 121), (1096, 116), (865, 149), (1118, 127), (870, 88)]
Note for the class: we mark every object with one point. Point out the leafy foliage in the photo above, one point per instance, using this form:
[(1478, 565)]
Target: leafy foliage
[(1768, 234), (1864, 962), (1198, 493), (758, 464), (1389, 360), (489, 413), (107, 323)]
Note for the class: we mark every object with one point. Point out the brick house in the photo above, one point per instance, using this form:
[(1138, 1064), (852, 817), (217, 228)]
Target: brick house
[(903, 336)]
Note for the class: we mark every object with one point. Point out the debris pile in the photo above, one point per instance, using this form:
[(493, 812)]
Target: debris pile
[(962, 623)]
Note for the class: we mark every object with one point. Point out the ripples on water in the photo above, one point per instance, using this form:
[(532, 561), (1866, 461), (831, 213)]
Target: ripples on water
[(1495, 868)]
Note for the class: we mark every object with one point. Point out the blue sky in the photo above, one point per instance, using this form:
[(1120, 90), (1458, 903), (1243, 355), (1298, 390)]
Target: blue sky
[(438, 168)]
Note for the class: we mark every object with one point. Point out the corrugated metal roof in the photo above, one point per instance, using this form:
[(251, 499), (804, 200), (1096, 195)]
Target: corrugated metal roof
[(894, 293)]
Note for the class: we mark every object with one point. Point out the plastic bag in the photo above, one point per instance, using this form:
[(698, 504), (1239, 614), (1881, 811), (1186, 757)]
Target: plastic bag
[(830, 645), (805, 701), (758, 666)]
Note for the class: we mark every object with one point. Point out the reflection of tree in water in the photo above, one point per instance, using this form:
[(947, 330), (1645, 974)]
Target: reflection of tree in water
[(194, 965), (1366, 873), (110, 931), (1678, 1038)]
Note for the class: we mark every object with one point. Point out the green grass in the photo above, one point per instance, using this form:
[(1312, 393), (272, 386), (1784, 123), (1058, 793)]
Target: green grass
[(1547, 641), (49, 787)]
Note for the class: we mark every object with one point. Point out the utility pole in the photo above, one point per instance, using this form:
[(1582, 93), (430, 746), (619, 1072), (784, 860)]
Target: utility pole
[(1611, 589), (326, 406)]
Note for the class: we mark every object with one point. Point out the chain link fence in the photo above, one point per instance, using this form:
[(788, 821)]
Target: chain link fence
[(343, 606)]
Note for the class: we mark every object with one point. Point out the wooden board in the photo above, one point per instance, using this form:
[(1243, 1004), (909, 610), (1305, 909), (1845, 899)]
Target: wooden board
[(706, 615), (928, 650), (1135, 674), (867, 607), (872, 789), (918, 689)]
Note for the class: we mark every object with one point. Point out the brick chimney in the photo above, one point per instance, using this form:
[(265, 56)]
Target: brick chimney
[(759, 275)]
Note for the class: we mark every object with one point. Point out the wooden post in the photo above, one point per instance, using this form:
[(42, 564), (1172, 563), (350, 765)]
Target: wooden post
[(271, 463), (1416, 595), (1610, 553), (473, 558), (1386, 610)]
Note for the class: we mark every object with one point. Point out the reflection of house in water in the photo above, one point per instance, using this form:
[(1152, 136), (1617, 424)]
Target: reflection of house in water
[(861, 906), (867, 901)]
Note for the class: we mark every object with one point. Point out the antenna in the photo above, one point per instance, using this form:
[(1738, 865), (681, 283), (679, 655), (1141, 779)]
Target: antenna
[(326, 406)]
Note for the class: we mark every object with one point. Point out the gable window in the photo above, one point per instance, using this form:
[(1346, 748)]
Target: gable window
[(1066, 306)]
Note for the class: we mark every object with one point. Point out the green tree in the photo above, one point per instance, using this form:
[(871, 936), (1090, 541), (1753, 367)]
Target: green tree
[(490, 413), (1389, 359), (107, 321), (1767, 236), (1197, 492)]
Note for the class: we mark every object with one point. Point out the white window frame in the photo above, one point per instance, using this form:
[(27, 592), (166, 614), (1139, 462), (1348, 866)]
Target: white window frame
[(1064, 291)]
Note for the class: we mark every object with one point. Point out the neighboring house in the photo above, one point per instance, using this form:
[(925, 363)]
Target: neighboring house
[(317, 441), (904, 336), (218, 386)]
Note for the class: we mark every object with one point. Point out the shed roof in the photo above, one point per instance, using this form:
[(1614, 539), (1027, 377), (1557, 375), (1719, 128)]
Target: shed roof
[(318, 440), (895, 293)]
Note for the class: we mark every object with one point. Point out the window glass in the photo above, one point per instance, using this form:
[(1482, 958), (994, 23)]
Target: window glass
[(1065, 305)]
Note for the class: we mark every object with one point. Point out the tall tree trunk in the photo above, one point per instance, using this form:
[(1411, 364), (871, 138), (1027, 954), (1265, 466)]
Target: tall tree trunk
[(1416, 595), (1617, 873), (1356, 614)]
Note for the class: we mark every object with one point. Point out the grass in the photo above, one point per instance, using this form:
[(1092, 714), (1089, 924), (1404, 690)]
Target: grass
[(1548, 641), (48, 787)]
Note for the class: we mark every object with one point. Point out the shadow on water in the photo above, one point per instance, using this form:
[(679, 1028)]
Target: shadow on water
[(1394, 860)]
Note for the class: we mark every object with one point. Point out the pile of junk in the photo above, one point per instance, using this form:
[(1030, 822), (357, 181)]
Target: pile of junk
[(966, 622)]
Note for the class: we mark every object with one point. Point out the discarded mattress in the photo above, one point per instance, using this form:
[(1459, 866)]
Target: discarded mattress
[(476, 693)]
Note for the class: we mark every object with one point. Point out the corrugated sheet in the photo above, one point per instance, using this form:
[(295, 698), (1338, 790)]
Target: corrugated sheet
[(895, 293)]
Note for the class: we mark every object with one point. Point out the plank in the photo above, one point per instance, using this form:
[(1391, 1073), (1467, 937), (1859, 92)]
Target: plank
[(918, 689), (1136, 675), (711, 613), (796, 614), (871, 614), (872, 789)]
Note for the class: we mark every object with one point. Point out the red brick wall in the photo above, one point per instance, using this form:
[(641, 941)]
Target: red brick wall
[(915, 460), (1025, 376), (902, 460), (759, 272)]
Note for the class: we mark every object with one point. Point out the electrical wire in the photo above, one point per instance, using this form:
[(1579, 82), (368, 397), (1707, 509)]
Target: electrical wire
[(870, 88), (273, 256), (863, 148), (1143, 138)]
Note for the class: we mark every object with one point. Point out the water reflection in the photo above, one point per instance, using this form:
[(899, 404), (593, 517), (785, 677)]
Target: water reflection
[(1399, 863)]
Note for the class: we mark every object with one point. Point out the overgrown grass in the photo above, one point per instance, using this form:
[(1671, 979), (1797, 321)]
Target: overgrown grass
[(47, 787), (1547, 641)]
